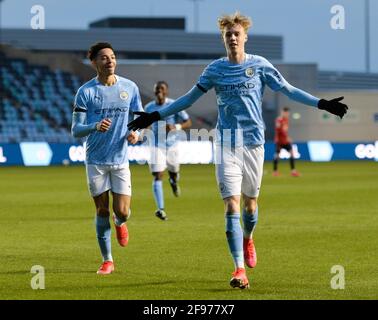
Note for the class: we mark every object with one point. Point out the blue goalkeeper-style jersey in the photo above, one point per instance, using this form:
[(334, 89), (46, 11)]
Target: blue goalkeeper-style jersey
[(159, 128), (239, 91), (116, 102)]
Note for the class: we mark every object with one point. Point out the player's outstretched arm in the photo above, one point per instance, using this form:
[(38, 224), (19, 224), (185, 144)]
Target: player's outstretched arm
[(333, 106), (80, 129), (145, 119)]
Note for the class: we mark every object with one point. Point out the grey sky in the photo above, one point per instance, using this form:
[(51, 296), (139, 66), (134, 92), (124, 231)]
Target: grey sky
[(304, 24)]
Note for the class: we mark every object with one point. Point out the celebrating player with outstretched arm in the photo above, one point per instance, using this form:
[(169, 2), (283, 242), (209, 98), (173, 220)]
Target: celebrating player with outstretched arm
[(102, 108), (239, 81)]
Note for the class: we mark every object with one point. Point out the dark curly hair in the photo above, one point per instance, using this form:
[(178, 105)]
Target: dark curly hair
[(94, 49)]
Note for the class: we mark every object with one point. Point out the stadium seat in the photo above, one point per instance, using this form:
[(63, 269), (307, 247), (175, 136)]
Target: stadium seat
[(35, 102)]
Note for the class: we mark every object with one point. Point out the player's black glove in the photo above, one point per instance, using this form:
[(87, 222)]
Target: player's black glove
[(333, 106), (144, 120)]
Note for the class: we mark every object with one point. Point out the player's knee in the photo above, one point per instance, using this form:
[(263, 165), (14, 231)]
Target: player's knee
[(158, 176), (232, 205), (250, 206), (125, 214), (103, 212), (122, 212), (173, 174)]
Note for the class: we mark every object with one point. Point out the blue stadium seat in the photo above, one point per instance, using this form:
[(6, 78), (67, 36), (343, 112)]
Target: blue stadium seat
[(35, 102)]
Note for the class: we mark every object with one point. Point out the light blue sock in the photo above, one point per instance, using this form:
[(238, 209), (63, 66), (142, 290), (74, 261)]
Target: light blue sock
[(119, 221), (103, 231), (250, 221), (157, 188), (234, 235)]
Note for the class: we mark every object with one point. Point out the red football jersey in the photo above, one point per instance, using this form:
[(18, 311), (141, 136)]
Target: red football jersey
[(282, 131)]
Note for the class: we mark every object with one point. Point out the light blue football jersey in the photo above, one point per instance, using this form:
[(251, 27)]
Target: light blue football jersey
[(116, 102), (239, 91), (179, 117)]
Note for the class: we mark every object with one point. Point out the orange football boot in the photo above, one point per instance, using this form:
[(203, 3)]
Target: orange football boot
[(250, 256), (122, 233), (239, 279), (107, 267), (295, 173)]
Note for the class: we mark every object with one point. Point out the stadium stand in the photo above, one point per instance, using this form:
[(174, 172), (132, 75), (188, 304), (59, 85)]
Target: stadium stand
[(333, 80), (35, 102), (138, 43), (41, 71)]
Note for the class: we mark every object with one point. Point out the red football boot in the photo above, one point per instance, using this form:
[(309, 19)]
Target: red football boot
[(122, 233), (239, 279), (250, 256), (107, 267), (295, 173)]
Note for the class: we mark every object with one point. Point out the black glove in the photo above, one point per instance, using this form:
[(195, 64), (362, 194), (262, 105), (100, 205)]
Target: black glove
[(333, 106), (144, 120)]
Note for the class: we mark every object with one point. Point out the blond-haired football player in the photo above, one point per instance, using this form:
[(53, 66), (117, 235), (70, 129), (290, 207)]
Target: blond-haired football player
[(239, 80)]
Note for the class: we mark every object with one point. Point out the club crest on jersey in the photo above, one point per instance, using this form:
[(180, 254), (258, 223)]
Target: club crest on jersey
[(249, 72), (124, 95)]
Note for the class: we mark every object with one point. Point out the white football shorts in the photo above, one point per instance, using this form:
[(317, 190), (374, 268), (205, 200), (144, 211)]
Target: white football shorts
[(239, 170), (101, 178), (164, 158)]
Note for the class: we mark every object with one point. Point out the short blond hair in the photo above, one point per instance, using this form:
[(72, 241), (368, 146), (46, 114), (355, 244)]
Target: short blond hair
[(230, 20)]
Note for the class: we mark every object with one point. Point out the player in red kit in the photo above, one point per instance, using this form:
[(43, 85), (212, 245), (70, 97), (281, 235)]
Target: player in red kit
[(282, 140)]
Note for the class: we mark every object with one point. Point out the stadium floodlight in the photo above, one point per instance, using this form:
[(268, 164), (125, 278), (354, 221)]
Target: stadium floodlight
[(196, 14), (0, 16), (0, 8), (367, 35)]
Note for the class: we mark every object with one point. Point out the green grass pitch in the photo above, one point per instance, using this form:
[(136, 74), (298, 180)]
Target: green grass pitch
[(327, 217)]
